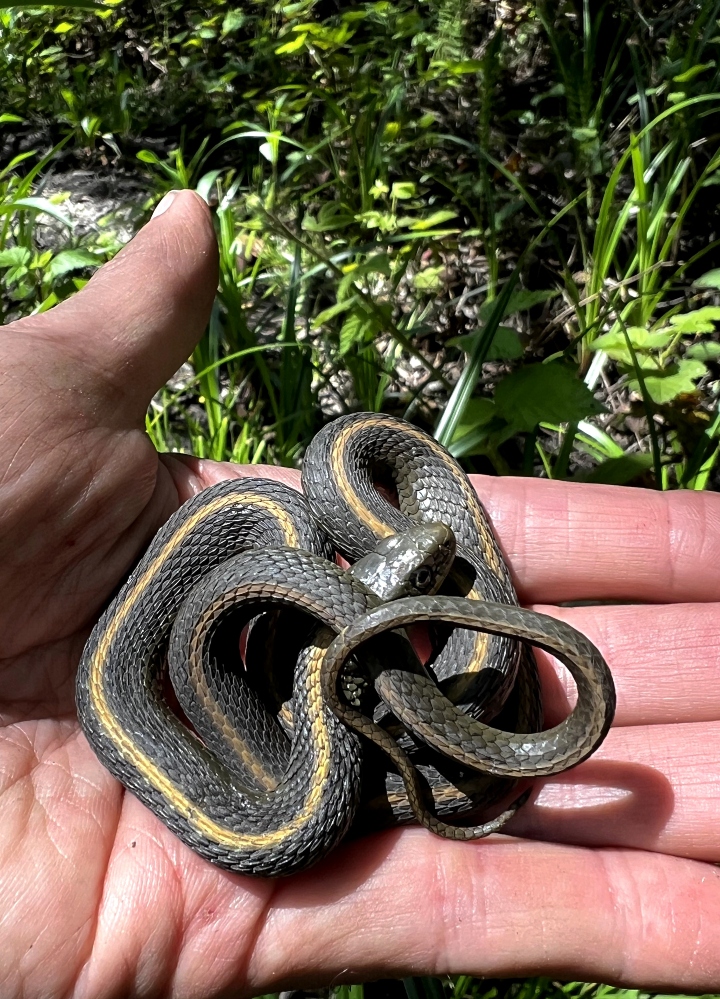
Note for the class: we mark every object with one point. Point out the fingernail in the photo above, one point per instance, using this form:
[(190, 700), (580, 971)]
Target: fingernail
[(163, 205)]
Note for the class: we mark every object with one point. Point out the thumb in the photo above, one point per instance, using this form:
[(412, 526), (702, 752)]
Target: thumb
[(141, 314)]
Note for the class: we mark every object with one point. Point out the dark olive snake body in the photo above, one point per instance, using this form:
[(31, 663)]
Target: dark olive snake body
[(265, 773)]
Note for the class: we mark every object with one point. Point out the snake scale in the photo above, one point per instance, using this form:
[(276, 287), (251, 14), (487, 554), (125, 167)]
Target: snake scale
[(261, 754)]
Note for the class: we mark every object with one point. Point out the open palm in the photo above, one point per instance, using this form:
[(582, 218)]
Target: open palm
[(98, 898)]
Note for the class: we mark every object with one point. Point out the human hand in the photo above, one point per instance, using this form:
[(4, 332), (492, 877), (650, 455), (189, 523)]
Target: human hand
[(97, 897)]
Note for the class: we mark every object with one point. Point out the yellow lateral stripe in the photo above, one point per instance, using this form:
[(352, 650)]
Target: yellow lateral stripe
[(378, 526), (212, 830), (383, 530), (352, 499)]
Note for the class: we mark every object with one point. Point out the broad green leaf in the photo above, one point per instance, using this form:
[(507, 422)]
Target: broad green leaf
[(292, 46), (429, 281), (677, 379), (711, 279), (618, 471), (506, 345), (9, 118), (615, 345), (15, 274), (706, 350), (544, 393), (477, 413), (14, 256), (233, 20), (699, 321), (41, 260), (71, 260), (403, 189)]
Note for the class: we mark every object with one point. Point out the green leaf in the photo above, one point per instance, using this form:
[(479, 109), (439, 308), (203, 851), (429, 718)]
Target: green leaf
[(384, 221), (519, 301), (357, 328), (437, 218), (14, 256), (233, 20), (618, 471), (378, 263), (38, 205), (584, 134), (292, 46), (474, 431), (148, 156), (694, 71), (429, 281), (402, 190), (677, 379), (333, 215), (615, 345), (478, 412), (460, 68), (711, 279), (70, 260), (544, 393), (706, 350), (335, 310), (505, 346), (9, 118), (699, 321)]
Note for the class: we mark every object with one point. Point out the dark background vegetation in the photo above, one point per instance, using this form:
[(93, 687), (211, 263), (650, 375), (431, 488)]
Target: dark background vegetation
[(496, 219)]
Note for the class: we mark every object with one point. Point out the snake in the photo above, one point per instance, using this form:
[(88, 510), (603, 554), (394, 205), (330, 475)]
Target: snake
[(263, 701)]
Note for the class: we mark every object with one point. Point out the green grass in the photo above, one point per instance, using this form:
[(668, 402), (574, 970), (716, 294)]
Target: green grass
[(352, 188), (466, 987)]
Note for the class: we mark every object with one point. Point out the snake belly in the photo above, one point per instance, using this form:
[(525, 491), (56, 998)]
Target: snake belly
[(269, 797)]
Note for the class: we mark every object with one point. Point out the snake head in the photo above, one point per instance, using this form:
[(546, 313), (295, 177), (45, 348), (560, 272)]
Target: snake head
[(408, 564)]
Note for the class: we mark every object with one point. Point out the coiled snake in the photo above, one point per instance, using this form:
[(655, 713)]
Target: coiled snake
[(269, 758)]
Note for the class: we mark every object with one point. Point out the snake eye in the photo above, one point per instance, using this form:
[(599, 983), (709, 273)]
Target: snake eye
[(422, 578)]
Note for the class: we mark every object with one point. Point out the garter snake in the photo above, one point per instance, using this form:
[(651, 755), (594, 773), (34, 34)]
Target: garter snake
[(263, 773)]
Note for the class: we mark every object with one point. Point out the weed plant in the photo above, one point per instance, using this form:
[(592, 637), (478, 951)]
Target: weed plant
[(503, 229)]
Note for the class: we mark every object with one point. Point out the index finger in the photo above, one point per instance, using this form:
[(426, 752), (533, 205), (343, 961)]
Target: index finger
[(568, 541)]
